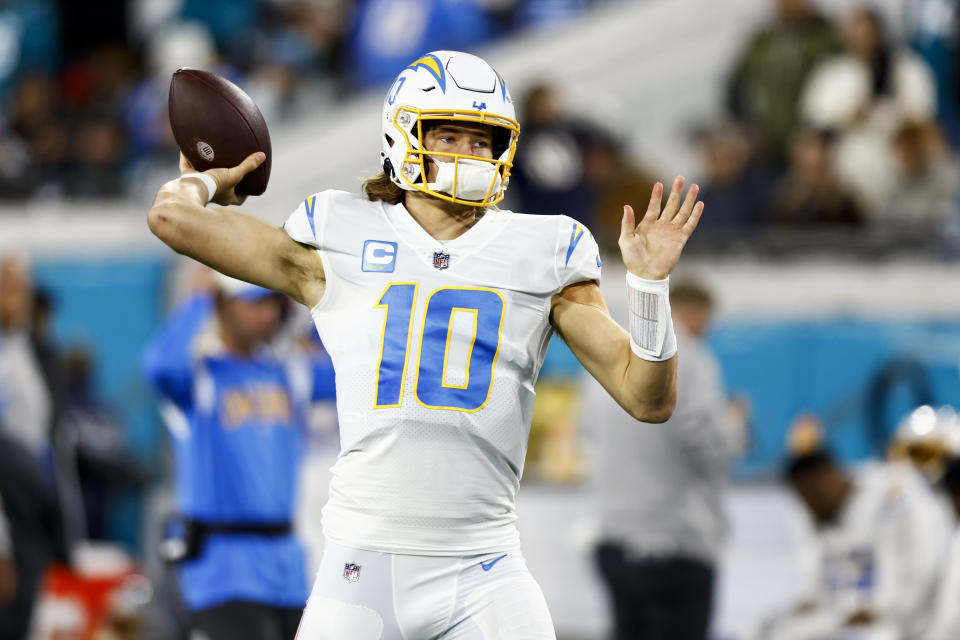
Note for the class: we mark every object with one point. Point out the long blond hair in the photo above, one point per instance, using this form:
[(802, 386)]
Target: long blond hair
[(381, 187)]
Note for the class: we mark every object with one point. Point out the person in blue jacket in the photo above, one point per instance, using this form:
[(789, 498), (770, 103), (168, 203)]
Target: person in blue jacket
[(236, 407)]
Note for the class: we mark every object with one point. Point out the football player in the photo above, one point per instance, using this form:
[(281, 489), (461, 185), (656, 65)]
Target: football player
[(871, 555), (437, 308)]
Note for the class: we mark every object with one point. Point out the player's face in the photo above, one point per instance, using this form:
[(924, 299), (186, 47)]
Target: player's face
[(466, 138)]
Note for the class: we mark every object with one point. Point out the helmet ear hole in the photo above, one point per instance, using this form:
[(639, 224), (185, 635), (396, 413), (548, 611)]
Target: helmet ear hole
[(501, 141), (388, 169)]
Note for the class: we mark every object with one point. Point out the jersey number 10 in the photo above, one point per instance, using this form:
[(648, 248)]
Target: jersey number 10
[(433, 388)]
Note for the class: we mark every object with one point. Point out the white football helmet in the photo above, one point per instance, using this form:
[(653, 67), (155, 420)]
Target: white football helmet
[(927, 438), (449, 85)]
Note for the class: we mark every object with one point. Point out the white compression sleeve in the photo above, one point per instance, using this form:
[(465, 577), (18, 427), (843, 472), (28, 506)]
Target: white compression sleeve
[(651, 326)]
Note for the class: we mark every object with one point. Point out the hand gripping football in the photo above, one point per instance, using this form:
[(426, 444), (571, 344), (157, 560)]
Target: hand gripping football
[(217, 125)]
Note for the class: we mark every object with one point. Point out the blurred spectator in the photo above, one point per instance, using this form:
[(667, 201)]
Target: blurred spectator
[(809, 195), (932, 31), (736, 189), (549, 172), (662, 490), (615, 180), (237, 412), (99, 153), (44, 344), (25, 403), (865, 94), (765, 84), (92, 444), (33, 105), (36, 533), (875, 554), (927, 178), (945, 621)]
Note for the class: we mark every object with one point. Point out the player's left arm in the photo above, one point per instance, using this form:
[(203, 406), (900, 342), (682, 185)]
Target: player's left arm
[(646, 389)]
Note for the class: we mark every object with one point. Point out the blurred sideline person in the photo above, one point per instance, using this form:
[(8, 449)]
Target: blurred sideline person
[(36, 535), (436, 311), (928, 439), (661, 491), (945, 621), (236, 411), (25, 402), (874, 557), (27, 479)]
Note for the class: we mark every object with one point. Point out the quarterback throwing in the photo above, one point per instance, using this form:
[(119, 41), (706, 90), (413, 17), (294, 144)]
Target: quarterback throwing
[(437, 308)]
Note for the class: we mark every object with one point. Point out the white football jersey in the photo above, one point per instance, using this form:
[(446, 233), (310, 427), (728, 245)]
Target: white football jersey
[(883, 551), (436, 347)]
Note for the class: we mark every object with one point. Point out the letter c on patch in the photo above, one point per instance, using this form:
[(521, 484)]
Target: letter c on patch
[(379, 255)]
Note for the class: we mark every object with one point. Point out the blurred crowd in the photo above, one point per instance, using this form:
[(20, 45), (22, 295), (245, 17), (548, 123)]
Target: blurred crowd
[(840, 122), (843, 121), (84, 92)]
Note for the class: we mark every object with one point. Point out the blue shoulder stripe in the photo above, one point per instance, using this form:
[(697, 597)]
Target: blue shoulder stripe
[(311, 204), (575, 234)]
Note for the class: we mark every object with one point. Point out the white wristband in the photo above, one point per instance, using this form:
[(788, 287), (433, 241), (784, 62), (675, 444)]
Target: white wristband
[(210, 183), (651, 326)]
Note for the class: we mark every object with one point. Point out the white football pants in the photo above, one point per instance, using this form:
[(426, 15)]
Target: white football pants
[(366, 595)]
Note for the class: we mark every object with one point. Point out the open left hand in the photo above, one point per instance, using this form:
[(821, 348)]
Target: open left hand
[(651, 248)]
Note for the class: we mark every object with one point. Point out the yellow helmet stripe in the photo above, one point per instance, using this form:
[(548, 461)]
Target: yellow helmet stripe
[(432, 64)]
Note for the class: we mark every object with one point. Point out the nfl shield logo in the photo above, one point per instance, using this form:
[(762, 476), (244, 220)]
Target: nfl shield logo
[(351, 572), (441, 260)]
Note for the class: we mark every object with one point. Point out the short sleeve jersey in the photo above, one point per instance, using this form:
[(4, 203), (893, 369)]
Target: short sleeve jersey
[(436, 347)]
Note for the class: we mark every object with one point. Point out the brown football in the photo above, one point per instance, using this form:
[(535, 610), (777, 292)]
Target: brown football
[(216, 124)]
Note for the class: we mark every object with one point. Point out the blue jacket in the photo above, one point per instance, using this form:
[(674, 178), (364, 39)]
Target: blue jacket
[(238, 427)]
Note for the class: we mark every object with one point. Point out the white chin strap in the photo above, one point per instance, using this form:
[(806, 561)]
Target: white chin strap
[(474, 178)]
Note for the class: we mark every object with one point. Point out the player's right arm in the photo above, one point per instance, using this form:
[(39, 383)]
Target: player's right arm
[(231, 241)]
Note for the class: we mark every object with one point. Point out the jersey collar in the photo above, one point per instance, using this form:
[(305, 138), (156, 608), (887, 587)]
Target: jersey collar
[(425, 245)]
